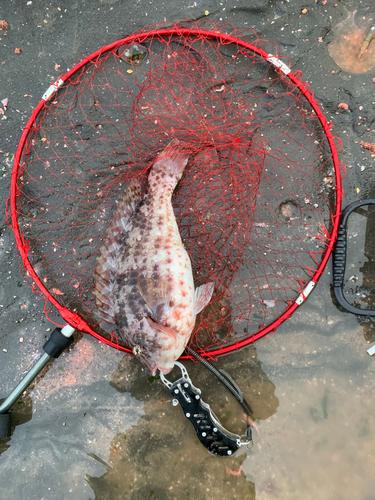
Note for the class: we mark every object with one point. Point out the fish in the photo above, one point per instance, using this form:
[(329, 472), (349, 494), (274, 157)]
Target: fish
[(143, 277)]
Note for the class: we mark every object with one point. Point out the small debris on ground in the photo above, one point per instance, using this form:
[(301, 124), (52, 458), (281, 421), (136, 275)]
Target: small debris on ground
[(233, 472), (269, 303), (17, 50), (3, 25), (368, 145), (343, 105)]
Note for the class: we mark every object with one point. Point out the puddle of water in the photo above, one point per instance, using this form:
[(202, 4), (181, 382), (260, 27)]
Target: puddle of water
[(347, 44), (102, 428), (114, 433), (320, 442), (49, 455)]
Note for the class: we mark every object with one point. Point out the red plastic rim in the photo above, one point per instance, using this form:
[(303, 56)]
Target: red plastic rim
[(74, 319)]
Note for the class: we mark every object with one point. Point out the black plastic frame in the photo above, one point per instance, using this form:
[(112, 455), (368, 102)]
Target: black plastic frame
[(339, 259)]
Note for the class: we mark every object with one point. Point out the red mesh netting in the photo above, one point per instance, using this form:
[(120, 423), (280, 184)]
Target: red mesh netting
[(254, 206)]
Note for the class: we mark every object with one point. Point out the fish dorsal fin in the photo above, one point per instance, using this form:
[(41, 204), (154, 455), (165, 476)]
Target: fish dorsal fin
[(107, 259), (124, 210), (130, 200), (155, 293), (203, 296)]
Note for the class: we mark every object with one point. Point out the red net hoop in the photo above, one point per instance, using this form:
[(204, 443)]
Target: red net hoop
[(257, 206)]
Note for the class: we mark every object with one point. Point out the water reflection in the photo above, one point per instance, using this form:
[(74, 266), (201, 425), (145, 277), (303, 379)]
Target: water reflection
[(359, 288), (368, 275), (347, 43), (160, 457), (21, 413), (75, 416)]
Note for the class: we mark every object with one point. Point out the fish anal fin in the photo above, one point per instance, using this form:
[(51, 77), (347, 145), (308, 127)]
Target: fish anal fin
[(203, 295)]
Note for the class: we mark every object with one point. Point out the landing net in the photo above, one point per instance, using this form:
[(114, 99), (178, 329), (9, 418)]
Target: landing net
[(258, 203)]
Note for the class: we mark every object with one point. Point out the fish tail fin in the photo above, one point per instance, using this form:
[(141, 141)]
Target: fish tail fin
[(172, 160)]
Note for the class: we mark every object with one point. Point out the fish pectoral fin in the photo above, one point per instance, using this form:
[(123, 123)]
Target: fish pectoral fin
[(203, 296), (165, 330), (155, 293)]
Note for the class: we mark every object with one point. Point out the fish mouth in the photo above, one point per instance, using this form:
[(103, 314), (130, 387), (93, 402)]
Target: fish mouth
[(154, 368), (165, 370)]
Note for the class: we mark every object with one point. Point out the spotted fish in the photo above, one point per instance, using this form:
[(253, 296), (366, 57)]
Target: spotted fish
[(143, 277)]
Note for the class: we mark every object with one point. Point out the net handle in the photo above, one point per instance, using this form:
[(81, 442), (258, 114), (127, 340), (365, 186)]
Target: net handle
[(74, 319)]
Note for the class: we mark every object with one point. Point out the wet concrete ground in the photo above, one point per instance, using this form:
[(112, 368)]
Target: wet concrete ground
[(95, 426)]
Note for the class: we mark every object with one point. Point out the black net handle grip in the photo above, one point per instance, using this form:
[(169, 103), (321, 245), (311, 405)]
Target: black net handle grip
[(339, 259)]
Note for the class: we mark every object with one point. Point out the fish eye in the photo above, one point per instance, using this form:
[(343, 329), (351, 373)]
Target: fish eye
[(137, 350)]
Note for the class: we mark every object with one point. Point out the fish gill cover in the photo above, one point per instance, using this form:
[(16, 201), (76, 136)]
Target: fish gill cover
[(254, 206)]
